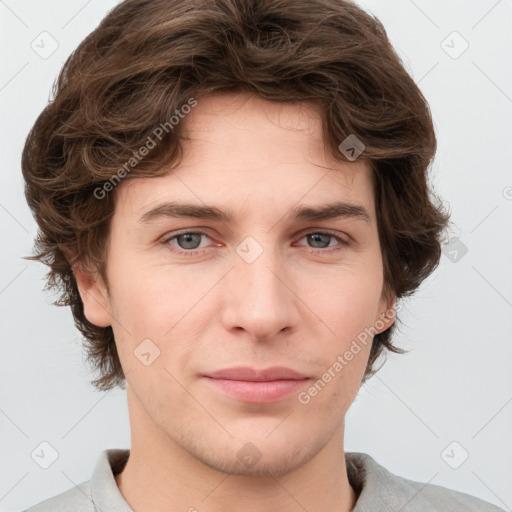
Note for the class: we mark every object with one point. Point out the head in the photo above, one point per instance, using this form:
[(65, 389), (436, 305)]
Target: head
[(243, 107)]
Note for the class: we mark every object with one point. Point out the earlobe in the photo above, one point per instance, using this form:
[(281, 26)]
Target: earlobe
[(387, 315), (94, 297)]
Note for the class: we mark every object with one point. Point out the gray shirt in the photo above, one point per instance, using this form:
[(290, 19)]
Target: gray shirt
[(378, 490)]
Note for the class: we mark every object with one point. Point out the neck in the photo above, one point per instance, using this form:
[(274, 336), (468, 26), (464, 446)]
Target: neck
[(162, 476)]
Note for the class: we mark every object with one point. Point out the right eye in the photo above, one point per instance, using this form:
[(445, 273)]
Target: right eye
[(188, 241)]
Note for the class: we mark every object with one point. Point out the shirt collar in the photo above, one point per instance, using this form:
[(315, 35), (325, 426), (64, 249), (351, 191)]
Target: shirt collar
[(105, 494)]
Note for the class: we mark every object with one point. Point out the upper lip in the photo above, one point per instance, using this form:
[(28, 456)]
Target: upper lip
[(254, 375)]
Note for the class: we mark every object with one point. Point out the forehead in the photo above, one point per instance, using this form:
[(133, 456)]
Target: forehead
[(253, 128), (241, 106), (242, 149)]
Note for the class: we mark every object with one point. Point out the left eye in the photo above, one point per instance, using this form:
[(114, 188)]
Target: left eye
[(191, 240), (322, 238)]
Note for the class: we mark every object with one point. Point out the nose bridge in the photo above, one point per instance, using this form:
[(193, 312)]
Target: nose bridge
[(258, 262), (260, 303)]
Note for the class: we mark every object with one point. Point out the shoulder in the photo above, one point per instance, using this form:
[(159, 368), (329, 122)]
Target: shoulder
[(430, 496), (379, 489), (100, 492), (76, 499)]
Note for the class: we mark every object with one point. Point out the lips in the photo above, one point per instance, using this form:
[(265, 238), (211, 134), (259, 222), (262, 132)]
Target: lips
[(253, 375), (257, 386)]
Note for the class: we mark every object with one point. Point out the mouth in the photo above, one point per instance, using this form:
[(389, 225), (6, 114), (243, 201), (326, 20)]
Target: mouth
[(257, 386)]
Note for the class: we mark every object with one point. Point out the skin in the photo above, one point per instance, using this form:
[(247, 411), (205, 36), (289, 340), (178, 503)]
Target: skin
[(297, 305)]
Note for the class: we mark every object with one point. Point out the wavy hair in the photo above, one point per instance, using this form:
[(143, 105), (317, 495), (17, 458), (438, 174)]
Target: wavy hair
[(147, 58)]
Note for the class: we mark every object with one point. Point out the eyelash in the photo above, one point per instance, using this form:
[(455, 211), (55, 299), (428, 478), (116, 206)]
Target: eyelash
[(194, 252)]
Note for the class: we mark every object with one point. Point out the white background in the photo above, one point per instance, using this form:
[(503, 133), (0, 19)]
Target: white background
[(455, 384)]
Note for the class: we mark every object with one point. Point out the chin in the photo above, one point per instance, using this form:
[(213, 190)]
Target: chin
[(276, 467), (260, 458)]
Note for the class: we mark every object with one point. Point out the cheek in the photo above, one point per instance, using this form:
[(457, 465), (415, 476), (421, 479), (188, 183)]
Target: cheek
[(347, 303), (143, 294), (158, 304)]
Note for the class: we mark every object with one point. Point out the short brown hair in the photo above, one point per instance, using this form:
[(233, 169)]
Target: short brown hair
[(147, 58)]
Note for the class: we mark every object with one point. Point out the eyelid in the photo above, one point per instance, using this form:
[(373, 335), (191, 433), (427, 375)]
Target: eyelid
[(338, 236), (341, 234), (342, 242), (173, 235)]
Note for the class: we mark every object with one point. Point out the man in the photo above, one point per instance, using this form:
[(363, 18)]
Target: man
[(232, 196)]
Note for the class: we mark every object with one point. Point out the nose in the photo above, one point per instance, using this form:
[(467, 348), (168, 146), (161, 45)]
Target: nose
[(259, 295)]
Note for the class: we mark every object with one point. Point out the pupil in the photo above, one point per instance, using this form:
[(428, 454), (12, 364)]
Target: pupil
[(189, 239), (316, 237), (192, 240)]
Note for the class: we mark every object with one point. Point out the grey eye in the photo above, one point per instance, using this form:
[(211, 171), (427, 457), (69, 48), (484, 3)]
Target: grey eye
[(316, 238), (189, 240)]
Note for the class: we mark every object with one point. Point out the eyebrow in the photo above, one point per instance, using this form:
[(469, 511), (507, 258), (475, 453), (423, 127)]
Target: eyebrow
[(328, 211)]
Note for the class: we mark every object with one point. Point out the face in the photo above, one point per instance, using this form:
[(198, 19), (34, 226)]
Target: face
[(253, 284)]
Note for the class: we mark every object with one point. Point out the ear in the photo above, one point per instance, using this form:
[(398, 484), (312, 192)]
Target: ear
[(94, 295), (387, 312)]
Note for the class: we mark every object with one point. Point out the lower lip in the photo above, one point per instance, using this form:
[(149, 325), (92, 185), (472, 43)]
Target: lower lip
[(257, 392)]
